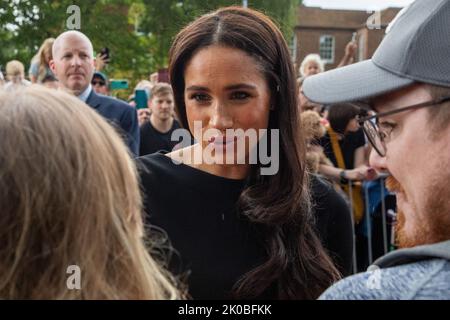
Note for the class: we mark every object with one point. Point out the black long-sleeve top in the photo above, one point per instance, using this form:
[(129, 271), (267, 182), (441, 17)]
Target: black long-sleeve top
[(215, 244)]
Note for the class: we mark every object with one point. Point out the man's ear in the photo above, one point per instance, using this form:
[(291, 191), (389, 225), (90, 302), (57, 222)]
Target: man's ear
[(51, 64)]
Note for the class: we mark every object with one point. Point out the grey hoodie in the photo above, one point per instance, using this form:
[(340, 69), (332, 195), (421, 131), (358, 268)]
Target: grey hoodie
[(422, 272)]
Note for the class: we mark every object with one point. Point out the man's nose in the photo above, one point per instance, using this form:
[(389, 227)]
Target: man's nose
[(220, 117), (76, 61), (377, 162)]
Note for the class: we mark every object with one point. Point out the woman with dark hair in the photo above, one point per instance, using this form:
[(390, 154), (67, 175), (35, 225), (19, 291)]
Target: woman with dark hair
[(241, 232), (344, 128), (344, 144)]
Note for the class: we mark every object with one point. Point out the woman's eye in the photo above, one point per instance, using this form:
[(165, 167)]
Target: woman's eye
[(239, 95), (199, 97)]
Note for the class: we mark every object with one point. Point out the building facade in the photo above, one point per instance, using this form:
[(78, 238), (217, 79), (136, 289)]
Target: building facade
[(327, 33)]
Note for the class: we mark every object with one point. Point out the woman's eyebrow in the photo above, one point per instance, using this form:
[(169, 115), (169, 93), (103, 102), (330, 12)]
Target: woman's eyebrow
[(197, 88), (240, 86), (228, 88)]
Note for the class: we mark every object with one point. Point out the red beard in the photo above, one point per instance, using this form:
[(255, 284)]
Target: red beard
[(435, 228)]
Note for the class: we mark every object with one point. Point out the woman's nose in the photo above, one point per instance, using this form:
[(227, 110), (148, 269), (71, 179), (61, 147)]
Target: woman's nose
[(220, 118)]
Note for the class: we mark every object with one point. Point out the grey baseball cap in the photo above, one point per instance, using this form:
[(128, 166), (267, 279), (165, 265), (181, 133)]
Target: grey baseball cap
[(416, 48)]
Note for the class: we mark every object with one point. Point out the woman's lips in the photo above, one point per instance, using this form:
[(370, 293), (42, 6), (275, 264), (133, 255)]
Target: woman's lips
[(222, 140)]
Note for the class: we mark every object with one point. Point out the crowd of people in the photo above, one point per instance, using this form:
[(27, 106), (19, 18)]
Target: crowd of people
[(110, 186)]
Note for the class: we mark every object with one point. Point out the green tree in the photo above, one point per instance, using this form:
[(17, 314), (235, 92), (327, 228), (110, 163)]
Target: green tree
[(25, 24), (165, 18), (138, 33)]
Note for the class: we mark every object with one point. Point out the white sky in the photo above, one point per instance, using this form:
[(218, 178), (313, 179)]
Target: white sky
[(357, 4)]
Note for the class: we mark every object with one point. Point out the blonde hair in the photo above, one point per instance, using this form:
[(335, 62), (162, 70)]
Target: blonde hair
[(145, 85), (70, 196), (15, 71), (312, 125), (313, 57), (45, 49)]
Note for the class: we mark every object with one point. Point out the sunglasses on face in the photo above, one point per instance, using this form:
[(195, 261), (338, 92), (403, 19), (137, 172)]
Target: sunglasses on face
[(100, 83)]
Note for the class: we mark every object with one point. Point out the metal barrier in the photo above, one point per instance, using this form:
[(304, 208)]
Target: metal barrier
[(387, 246)]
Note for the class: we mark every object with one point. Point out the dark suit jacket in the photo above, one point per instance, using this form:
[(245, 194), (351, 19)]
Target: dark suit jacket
[(121, 115)]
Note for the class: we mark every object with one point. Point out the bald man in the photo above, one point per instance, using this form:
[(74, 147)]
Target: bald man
[(73, 65)]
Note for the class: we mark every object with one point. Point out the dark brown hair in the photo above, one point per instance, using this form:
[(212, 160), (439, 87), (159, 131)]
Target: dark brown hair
[(340, 114), (278, 205)]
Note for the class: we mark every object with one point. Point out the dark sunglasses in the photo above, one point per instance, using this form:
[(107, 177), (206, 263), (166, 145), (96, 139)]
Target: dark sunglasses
[(100, 83)]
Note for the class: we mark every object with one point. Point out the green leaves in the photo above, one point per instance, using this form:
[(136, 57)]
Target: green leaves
[(138, 33)]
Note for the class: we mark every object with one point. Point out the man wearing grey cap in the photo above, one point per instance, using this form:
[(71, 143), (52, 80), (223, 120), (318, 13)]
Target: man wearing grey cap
[(407, 84)]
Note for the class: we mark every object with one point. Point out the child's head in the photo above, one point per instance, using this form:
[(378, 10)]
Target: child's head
[(15, 71), (70, 197)]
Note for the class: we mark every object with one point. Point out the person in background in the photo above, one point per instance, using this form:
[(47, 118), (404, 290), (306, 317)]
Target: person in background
[(349, 54), (101, 61), (100, 83), (73, 65), (145, 85), (50, 82), (344, 144), (15, 75), (70, 201), (311, 64), (153, 78), (39, 67), (345, 130), (143, 113), (156, 133), (304, 104), (407, 82)]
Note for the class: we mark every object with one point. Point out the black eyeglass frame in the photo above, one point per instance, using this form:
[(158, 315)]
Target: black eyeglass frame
[(389, 113)]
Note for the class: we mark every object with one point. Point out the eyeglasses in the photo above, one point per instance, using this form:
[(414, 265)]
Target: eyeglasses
[(379, 136), (100, 83)]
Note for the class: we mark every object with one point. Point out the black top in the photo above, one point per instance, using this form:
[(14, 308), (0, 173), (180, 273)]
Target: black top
[(217, 245), (349, 144), (333, 223), (153, 140)]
